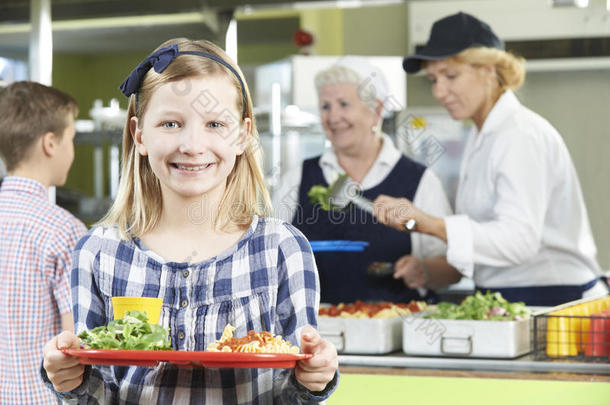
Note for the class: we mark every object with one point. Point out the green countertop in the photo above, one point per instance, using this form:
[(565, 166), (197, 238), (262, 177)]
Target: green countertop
[(398, 389)]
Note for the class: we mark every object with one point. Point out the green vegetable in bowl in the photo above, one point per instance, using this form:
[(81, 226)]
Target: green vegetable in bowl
[(133, 332), (489, 307)]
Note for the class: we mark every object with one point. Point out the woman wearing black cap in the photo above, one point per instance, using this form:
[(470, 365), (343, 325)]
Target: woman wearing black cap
[(521, 226)]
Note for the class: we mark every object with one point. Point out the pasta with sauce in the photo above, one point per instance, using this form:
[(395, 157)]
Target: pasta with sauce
[(364, 310), (253, 342)]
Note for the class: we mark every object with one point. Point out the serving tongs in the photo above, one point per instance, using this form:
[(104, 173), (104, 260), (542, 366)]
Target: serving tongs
[(345, 190), (386, 269), (380, 269)]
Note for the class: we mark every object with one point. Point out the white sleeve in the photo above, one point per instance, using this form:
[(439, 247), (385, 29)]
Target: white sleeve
[(285, 197), (459, 244), (430, 197), (514, 233)]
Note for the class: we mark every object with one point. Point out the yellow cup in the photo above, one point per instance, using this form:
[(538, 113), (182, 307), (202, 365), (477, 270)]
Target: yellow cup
[(561, 336), (152, 307), (596, 306), (552, 335), (585, 325), (573, 331)]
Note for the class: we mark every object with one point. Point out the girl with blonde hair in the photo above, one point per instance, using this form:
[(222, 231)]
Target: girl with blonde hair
[(189, 226)]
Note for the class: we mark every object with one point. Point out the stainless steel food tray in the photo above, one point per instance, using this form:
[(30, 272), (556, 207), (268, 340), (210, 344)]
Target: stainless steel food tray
[(443, 337), (362, 336)]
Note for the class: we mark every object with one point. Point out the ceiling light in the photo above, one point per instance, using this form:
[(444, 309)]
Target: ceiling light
[(299, 5), (112, 22), (570, 3)]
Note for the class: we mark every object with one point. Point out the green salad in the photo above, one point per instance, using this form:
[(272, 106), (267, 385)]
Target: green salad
[(319, 194), (488, 307), (133, 332)]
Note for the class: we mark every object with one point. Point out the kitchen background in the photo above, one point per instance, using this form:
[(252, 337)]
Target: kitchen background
[(97, 42)]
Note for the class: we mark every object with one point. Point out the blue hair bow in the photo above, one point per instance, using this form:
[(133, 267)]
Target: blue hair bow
[(159, 60)]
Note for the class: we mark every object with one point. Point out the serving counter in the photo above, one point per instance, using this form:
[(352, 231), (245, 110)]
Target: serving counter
[(523, 364), (555, 357), (396, 378)]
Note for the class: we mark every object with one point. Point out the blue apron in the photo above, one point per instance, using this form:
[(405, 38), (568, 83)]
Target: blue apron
[(343, 276), (544, 296)]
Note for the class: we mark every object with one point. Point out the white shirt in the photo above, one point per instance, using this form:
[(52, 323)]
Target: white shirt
[(429, 196), (520, 214)]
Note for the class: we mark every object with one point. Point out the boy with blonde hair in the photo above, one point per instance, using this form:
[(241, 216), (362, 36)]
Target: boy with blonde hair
[(36, 145)]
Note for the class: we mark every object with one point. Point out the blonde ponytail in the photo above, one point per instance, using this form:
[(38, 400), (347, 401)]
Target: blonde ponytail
[(510, 69)]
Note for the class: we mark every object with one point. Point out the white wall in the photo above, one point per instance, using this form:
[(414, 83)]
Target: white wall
[(515, 19), (577, 103)]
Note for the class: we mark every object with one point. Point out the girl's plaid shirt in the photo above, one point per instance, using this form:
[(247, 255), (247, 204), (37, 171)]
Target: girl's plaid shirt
[(267, 281)]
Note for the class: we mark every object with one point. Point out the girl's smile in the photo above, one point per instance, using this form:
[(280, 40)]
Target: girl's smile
[(192, 167)]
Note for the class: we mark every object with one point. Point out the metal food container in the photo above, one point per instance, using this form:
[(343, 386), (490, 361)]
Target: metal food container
[(362, 335), (465, 338)]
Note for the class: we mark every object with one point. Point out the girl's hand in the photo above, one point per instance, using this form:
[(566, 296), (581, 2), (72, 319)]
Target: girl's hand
[(315, 373), (65, 372), (411, 271)]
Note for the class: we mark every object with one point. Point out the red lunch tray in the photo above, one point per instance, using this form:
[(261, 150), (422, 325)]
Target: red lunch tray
[(151, 358)]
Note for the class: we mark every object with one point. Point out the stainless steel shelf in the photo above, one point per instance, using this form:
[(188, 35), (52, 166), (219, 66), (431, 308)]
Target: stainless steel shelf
[(99, 138), (522, 364)]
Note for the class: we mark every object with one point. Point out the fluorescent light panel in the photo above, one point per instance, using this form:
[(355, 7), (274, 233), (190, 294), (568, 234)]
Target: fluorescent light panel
[(112, 22)]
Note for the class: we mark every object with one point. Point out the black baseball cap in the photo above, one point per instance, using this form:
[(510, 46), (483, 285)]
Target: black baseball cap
[(451, 35)]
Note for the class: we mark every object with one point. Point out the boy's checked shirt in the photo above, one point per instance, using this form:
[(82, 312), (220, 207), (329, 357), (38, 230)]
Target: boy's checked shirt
[(36, 240)]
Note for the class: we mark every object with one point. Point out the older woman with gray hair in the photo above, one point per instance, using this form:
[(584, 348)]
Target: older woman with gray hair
[(351, 96)]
